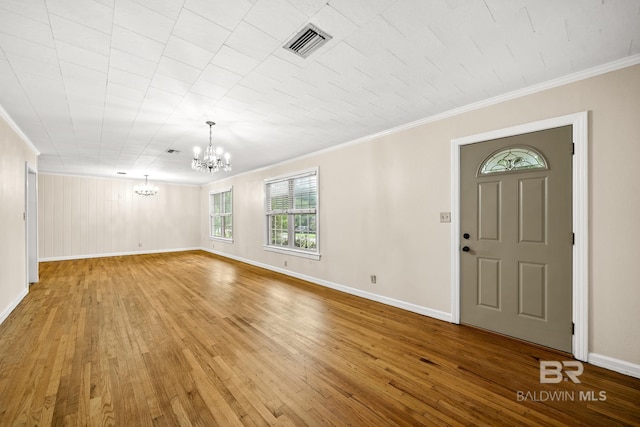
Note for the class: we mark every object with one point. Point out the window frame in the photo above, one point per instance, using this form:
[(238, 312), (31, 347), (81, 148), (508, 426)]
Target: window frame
[(223, 215), (291, 213)]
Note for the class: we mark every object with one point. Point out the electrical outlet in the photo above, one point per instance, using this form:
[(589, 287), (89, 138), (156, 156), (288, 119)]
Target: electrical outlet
[(373, 278), (139, 245), (285, 263), (445, 216)]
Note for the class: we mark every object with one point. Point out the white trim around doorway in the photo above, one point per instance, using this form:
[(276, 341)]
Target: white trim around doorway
[(31, 225), (580, 270)]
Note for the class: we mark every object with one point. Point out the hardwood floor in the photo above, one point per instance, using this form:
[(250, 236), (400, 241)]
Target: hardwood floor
[(193, 339)]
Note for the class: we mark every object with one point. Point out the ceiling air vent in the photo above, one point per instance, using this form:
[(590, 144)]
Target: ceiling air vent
[(307, 41)]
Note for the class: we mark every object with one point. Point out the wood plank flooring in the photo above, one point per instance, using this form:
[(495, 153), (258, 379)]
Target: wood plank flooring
[(191, 339)]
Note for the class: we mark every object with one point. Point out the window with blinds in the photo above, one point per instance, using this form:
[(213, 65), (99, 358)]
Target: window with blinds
[(291, 211), (221, 214)]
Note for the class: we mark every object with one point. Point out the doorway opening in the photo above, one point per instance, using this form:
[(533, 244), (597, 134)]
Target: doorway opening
[(31, 223)]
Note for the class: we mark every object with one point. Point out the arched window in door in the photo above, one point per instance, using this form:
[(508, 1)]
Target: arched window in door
[(512, 159)]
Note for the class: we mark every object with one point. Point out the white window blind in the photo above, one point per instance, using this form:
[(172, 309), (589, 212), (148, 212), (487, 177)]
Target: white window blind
[(291, 209)]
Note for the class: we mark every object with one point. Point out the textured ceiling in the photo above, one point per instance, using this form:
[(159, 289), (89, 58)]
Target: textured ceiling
[(110, 85)]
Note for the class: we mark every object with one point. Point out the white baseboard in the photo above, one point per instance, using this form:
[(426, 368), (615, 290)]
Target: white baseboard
[(13, 305), (104, 255), (425, 311), (617, 365)]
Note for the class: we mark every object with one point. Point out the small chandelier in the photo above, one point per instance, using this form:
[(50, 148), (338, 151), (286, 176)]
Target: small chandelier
[(212, 160), (145, 189)]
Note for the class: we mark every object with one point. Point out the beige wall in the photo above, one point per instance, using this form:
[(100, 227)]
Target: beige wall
[(14, 152), (380, 202), (84, 216)]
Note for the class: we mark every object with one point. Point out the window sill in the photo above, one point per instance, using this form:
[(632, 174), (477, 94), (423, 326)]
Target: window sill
[(221, 239), (292, 252)]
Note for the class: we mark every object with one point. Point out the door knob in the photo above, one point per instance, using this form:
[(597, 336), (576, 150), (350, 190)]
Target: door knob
[(466, 235), (466, 249)]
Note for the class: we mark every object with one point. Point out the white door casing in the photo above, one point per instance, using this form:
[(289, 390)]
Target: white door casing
[(580, 267), (31, 223)]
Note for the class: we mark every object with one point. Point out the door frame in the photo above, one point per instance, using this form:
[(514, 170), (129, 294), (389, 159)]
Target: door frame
[(31, 224), (580, 220)]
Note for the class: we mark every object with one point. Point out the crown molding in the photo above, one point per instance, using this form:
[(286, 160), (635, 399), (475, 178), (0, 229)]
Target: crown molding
[(519, 93), (7, 118), (131, 179)]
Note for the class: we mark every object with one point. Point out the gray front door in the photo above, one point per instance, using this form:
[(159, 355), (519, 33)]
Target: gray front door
[(516, 236)]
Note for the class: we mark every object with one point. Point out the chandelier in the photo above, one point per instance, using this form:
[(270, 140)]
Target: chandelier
[(212, 160), (145, 189)]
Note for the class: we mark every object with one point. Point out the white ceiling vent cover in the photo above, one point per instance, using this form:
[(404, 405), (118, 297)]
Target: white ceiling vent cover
[(307, 41)]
